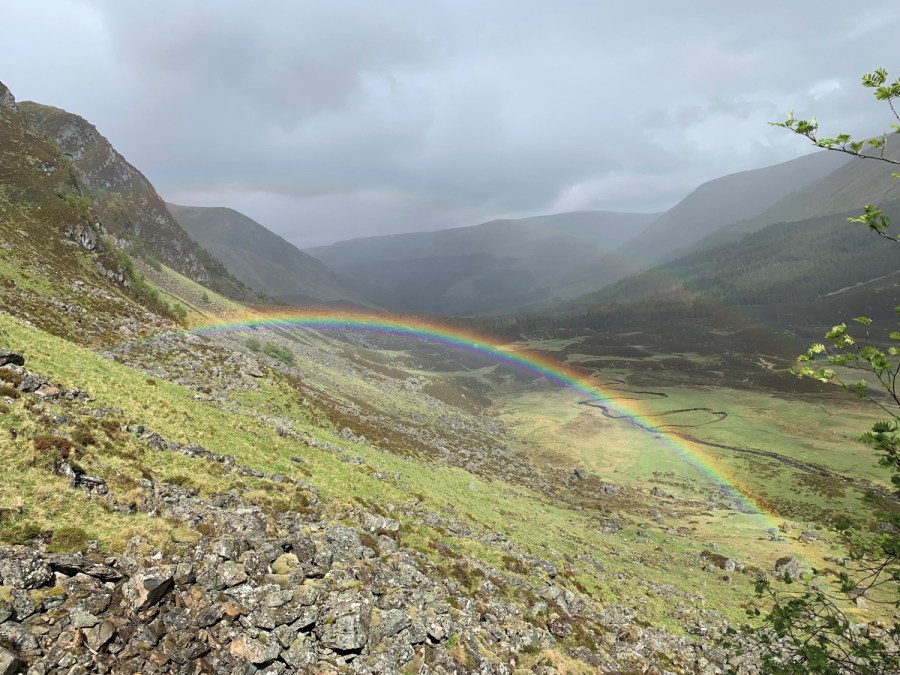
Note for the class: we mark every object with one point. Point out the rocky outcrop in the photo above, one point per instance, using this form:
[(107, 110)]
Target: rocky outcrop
[(7, 100), (125, 199)]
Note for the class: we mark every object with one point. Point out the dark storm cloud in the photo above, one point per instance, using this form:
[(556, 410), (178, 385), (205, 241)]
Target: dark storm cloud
[(331, 119)]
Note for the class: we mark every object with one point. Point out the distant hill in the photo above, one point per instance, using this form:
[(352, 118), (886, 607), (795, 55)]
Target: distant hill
[(727, 200), (851, 186), (799, 262), (263, 260), (125, 201), (499, 266)]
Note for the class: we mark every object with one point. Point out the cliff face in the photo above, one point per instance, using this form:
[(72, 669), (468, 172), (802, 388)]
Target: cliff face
[(125, 199), (7, 100)]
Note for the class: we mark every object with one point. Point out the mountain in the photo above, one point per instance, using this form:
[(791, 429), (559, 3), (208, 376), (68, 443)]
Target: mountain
[(855, 183), (499, 266), (724, 201), (123, 200), (797, 262), (263, 260)]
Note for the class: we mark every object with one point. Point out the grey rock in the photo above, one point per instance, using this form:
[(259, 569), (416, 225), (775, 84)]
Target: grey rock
[(9, 662), (260, 650), (302, 654), (75, 564), (232, 574), (787, 566), (392, 621), (23, 569), (82, 619), (98, 636), (15, 635), (345, 621), (7, 357), (145, 589)]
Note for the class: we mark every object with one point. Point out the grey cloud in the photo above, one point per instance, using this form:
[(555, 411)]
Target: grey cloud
[(326, 119)]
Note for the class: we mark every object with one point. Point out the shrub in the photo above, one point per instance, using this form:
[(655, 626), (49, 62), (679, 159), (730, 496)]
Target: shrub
[(8, 391), (68, 539), (111, 428), (10, 376), (20, 533), (84, 436), (52, 451), (253, 344), (279, 353)]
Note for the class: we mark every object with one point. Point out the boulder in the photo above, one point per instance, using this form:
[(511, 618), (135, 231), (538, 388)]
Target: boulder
[(9, 662), (145, 589), (787, 566), (7, 357), (345, 621), (256, 651), (71, 565)]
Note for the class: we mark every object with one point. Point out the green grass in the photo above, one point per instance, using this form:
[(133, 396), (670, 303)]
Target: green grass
[(531, 522)]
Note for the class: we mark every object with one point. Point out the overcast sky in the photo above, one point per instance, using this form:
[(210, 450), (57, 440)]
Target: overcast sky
[(332, 119)]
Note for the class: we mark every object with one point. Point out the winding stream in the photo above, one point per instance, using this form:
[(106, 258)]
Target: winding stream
[(718, 416)]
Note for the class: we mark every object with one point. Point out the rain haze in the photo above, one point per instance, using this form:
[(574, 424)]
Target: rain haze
[(338, 119)]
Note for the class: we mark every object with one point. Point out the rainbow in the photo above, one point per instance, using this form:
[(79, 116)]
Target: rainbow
[(529, 361)]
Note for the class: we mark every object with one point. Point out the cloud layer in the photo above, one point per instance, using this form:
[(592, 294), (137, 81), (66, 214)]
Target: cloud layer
[(330, 119)]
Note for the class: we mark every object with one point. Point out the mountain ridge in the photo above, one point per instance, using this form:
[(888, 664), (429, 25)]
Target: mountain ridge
[(263, 260)]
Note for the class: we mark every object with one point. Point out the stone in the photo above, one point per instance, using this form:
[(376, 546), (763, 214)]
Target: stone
[(7, 357), (82, 619), (98, 636), (9, 662), (145, 589), (76, 564), (301, 655), (379, 524), (787, 566), (48, 393), (256, 651), (809, 535), (26, 570), (579, 474), (392, 621), (232, 574), (344, 622), (209, 615)]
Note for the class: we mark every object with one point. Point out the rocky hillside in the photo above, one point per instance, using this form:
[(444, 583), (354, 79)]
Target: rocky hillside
[(263, 260), (124, 200)]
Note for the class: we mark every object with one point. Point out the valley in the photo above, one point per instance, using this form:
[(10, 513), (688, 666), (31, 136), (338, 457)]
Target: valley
[(224, 455)]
